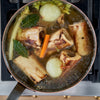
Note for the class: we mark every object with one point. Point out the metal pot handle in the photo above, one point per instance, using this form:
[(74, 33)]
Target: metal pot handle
[(16, 92)]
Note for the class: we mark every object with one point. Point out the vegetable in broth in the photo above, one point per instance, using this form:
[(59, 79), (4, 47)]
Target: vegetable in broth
[(50, 12), (53, 67), (15, 30)]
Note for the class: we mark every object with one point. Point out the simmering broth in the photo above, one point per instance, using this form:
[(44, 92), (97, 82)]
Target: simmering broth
[(66, 79)]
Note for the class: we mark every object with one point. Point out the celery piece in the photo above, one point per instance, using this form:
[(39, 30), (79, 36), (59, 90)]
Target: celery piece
[(15, 30), (19, 33), (37, 5)]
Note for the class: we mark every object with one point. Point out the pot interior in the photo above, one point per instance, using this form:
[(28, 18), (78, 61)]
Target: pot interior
[(70, 78)]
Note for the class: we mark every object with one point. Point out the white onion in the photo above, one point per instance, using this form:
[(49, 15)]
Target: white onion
[(50, 12), (53, 67)]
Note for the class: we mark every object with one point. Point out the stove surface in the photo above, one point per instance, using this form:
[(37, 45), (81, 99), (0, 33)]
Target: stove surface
[(90, 85)]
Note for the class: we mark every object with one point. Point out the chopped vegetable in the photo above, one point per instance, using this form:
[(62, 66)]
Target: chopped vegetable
[(25, 12), (45, 45), (19, 33), (15, 30), (20, 49), (37, 5), (50, 12), (31, 67), (30, 21), (65, 8), (53, 67), (57, 2)]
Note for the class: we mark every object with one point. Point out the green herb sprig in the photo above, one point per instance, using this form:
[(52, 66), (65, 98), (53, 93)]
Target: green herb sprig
[(20, 49), (30, 21)]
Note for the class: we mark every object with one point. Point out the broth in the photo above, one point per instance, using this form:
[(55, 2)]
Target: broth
[(50, 84)]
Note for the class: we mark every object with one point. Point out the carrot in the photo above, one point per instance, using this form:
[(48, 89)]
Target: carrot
[(45, 45)]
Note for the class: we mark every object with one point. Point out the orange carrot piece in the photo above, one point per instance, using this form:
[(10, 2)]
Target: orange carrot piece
[(45, 45)]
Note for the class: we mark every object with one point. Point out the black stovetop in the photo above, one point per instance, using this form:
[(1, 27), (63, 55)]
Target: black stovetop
[(90, 7)]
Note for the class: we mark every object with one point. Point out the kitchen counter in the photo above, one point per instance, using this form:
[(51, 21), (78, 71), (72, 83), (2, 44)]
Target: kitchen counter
[(81, 89)]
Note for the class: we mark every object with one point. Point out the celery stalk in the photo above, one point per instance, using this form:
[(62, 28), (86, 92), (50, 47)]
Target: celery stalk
[(15, 30)]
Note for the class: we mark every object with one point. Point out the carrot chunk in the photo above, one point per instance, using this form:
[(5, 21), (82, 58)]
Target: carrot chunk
[(45, 45)]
